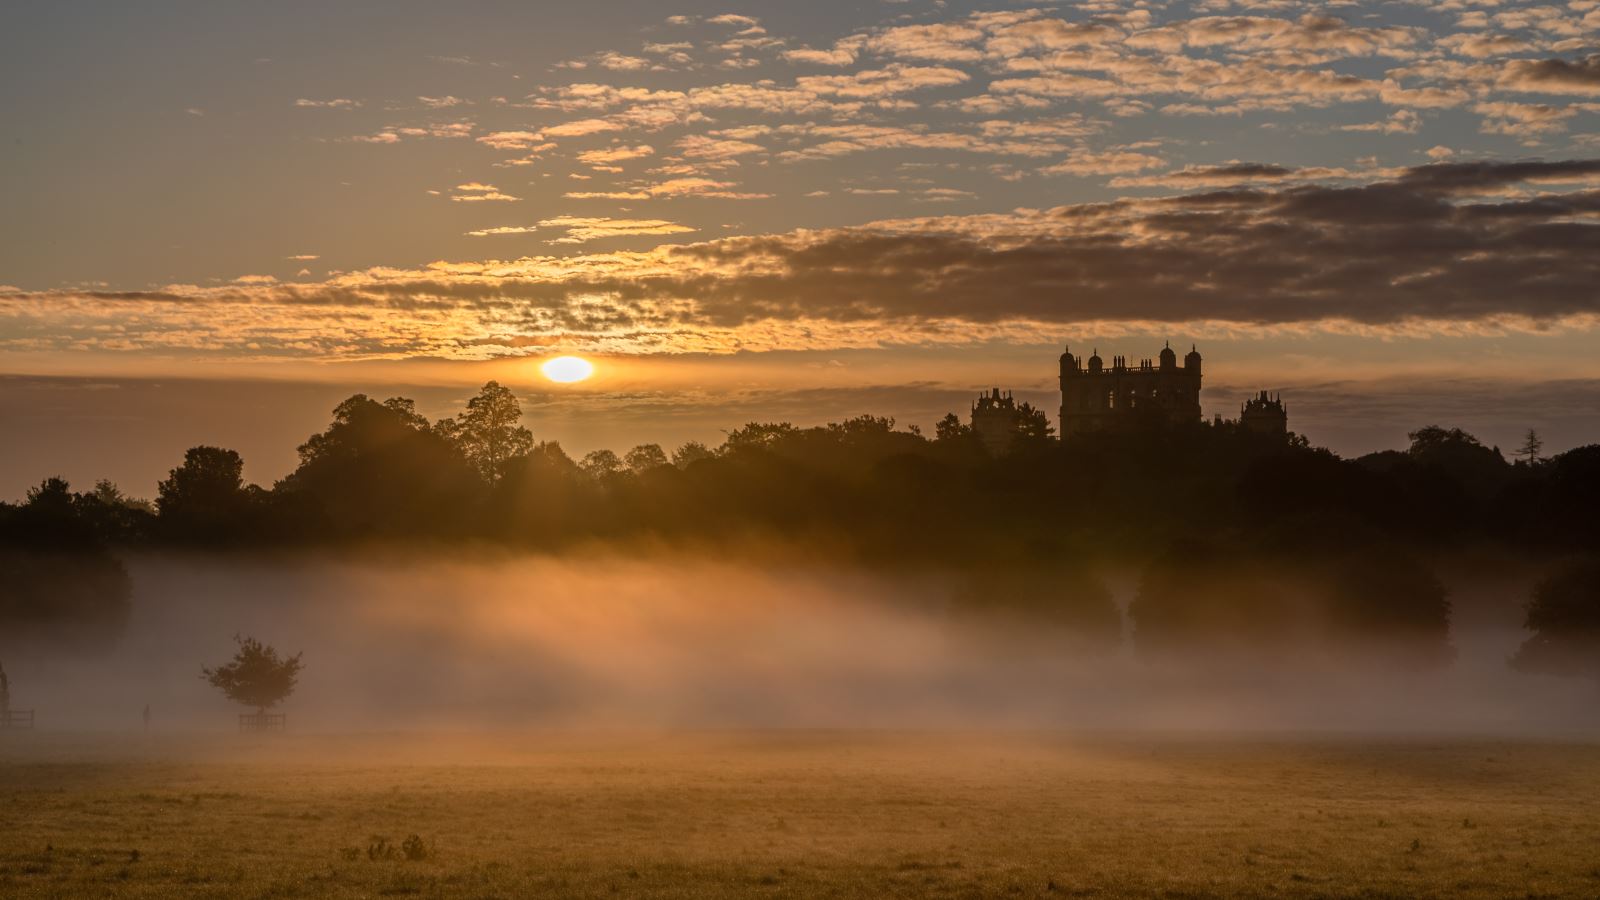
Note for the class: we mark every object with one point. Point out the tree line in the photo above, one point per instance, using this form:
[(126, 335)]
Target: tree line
[(1224, 523)]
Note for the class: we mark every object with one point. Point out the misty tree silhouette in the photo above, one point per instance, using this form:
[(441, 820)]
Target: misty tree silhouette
[(256, 676), (1564, 616)]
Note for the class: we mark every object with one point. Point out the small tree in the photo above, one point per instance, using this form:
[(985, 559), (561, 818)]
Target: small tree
[(256, 676)]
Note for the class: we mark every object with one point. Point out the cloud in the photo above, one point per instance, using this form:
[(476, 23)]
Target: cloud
[(1235, 174), (477, 192), (580, 230), (511, 140), (1554, 76), (336, 103), (615, 154), (939, 42), (712, 148), (875, 83), (619, 62), (1109, 163), (838, 56), (1524, 120), (674, 187), (503, 229), (1401, 121), (394, 134), (1461, 243)]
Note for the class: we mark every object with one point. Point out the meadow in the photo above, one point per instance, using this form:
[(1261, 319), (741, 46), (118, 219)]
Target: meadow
[(796, 813)]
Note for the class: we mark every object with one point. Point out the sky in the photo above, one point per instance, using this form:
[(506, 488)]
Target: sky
[(222, 218)]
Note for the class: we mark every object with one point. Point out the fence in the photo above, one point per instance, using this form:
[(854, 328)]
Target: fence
[(16, 718), (262, 722)]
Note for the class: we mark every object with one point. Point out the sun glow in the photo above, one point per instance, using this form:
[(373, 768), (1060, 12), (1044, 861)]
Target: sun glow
[(567, 369)]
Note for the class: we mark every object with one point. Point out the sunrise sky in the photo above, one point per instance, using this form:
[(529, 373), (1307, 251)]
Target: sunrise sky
[(220, 219)]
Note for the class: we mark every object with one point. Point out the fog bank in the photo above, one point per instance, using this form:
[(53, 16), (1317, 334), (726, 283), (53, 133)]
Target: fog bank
[(609, 641)]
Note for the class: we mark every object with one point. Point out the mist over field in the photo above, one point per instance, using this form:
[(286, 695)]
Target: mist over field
[(603, 640)]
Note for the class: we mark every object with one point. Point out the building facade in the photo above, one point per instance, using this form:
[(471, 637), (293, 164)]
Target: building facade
[(1095, 397)]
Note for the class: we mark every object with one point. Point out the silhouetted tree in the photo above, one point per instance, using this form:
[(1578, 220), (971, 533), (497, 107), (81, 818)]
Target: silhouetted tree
[(379, 469), (758, 435), (1033, 424), (256, 676), (106, 491), (204, 500), (645, 457), (487, 434), (1460, 456), (1532, 445), (951, 428), (1382, 598), (67, 598), (601, 464), (1564, 616), (690, 453)]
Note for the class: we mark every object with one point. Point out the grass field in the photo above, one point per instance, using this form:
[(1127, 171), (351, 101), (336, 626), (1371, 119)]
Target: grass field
[(780, 814)]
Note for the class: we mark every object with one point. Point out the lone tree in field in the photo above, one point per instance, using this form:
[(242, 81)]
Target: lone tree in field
[(256, 676)]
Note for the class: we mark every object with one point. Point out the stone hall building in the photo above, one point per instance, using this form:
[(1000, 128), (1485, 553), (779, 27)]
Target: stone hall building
[(1096, 397)]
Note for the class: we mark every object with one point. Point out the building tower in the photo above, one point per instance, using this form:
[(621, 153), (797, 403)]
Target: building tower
[(994, 421), (1265, 414)]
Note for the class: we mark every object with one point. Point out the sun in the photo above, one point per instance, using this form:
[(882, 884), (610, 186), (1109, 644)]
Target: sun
[(567, 369)]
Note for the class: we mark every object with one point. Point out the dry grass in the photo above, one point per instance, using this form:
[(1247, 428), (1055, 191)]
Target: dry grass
[(796, 814)]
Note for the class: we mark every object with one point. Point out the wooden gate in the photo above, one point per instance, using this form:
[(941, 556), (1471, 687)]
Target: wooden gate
[(16, 718), (262, 722)]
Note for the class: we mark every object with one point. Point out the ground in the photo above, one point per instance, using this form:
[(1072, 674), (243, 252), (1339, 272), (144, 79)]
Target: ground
[(786, 814)]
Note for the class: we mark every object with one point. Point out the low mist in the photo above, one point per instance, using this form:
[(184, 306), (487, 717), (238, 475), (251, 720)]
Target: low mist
[(405, 643)]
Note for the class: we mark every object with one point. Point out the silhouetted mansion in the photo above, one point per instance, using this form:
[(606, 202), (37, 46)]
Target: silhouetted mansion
[(1097, 398)]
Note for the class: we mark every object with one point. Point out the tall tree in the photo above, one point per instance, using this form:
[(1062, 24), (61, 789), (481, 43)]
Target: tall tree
[(488, 434), (1532, 446)]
